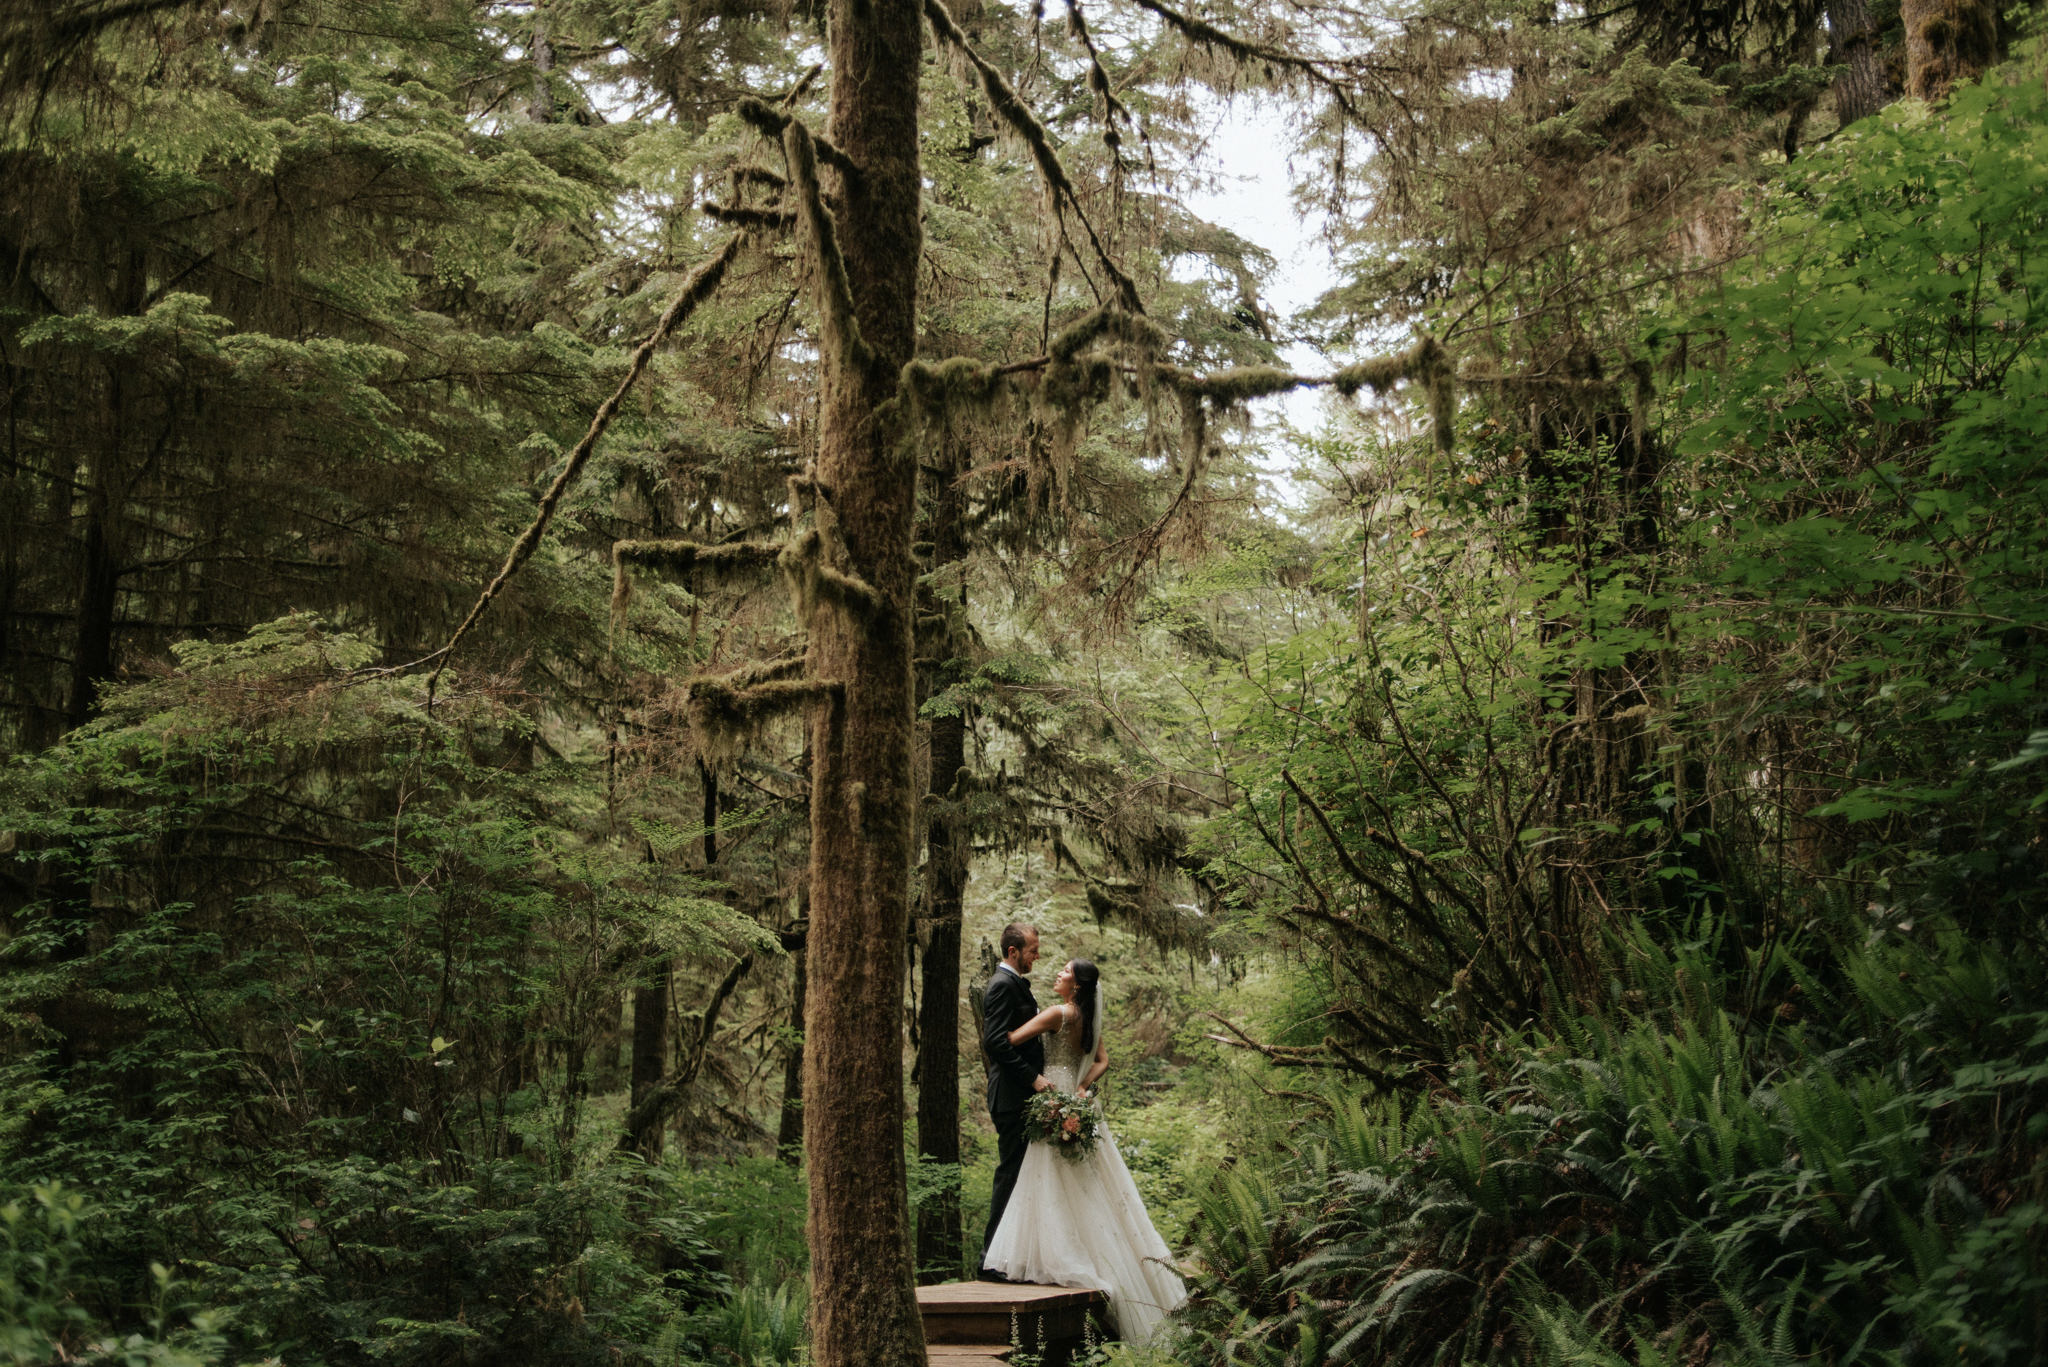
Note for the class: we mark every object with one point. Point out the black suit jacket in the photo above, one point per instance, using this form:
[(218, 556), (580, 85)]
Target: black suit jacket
[(1006, 1004)]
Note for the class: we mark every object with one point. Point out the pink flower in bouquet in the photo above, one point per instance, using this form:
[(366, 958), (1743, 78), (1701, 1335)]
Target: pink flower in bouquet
[(1072, 1125)]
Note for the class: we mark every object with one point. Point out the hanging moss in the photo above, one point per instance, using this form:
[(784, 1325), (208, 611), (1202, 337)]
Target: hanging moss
[(812, 577), (1011, 109), (725, 718), (1434, 370), (739, 216), (943, 388), (1194, 435), (681, 557), (1425, 363)]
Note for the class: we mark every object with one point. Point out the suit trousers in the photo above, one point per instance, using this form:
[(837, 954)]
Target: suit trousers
[(1011, 1143)]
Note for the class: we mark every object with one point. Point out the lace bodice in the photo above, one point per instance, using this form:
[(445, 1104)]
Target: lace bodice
[(1063, 1053)]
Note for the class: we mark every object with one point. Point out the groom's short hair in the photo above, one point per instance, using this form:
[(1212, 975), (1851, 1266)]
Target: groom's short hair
[(1013, 938)]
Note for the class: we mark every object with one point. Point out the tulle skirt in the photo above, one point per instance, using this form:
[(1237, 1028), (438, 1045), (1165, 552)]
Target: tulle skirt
[(1082, 1223)]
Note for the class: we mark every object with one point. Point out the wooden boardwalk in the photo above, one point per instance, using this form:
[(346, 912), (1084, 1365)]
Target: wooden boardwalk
[(970, 1324)]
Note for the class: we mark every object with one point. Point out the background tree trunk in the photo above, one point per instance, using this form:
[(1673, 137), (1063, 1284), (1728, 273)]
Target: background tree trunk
[(945, 891), (789, 1133), (650, 1053), (1861, 89), (863, 1293)]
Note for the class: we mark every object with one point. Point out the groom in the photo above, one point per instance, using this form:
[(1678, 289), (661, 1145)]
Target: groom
[(1015, 1070)]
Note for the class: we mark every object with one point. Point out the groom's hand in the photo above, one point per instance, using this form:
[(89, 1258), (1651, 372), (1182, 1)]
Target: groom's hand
[(1039, 1084)]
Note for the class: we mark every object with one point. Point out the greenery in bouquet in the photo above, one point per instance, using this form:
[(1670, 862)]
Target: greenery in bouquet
[(1065, 1121)]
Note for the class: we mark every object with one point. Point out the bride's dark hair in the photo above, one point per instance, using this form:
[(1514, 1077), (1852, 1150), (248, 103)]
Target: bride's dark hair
[(1086, 976)]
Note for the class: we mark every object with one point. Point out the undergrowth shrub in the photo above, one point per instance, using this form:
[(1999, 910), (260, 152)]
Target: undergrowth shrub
[(45, 1255), (1863, 1183)]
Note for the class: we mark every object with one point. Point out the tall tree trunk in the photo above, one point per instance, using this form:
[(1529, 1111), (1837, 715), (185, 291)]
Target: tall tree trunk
[(99, 575), (863, 1289), (945, 890), (1861, 89), (1948, 42)]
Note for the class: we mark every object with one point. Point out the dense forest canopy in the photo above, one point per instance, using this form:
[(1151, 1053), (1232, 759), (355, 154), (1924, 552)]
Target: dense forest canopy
[(566, 566)]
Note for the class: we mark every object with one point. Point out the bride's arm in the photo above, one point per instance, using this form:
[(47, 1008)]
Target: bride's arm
[(1049, 1019), (1097, 1068)]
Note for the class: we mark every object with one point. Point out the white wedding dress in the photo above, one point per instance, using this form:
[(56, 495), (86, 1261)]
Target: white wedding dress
[(1082, 1223)]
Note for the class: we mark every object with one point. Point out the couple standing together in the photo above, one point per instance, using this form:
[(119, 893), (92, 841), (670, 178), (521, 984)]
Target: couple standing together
[(1053, 1220)]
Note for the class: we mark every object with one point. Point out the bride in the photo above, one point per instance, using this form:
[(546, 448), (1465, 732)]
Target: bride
[(1081, 1222)]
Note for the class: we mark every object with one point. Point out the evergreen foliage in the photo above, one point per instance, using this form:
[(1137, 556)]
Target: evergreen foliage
[(1610, 772)]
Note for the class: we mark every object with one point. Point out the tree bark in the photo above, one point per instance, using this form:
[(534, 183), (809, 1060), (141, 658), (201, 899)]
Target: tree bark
[(1948, 42), (938, 1061), (1860, 90), (863, 1307)]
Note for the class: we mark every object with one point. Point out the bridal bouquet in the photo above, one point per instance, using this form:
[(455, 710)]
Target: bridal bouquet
[(1064, 1121)]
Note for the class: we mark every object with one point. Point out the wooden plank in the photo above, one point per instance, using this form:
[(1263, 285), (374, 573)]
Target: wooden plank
[(981, 1298), (969, 1354)]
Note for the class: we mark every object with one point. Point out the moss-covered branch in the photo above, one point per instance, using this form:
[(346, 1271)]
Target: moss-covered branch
[(839, 332), (1263, 55), (1425, 363), (760, 220), (774, 123), (1143, 335), (807, 568), (1011, 109), (682, 557), (724, 717)]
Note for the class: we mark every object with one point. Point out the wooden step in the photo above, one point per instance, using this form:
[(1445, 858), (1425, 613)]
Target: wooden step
[(968, 1354), (982, 1317)]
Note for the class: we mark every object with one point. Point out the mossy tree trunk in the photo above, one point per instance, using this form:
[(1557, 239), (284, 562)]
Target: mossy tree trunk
[(1948, 42), (863, 1298)]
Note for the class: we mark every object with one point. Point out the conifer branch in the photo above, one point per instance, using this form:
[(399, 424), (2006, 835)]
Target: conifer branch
[(697, 287), (1208, 36), (723, 718), (1010, 107), (1098, 77)]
